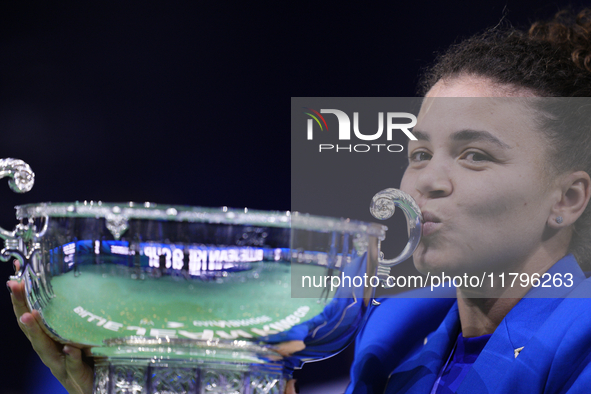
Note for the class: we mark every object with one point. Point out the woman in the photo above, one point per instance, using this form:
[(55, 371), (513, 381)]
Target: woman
[(501, 173), (502, 189)]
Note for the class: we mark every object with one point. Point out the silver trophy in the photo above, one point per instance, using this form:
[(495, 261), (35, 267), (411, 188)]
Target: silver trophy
[(175, 299)]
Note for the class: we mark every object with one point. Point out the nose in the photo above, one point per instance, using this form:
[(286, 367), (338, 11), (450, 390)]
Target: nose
[(434, 181)]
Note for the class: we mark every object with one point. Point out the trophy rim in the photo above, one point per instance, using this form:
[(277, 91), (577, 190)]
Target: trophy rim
[(235, 345), (197, 214)]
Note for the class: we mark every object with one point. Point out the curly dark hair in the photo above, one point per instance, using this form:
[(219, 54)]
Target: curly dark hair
[(553, 61)]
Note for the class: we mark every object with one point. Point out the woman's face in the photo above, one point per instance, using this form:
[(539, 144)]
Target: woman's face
[(477, 171)]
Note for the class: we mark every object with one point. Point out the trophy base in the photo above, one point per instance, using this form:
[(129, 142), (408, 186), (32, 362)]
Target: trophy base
[(135, 365), (118, 376)]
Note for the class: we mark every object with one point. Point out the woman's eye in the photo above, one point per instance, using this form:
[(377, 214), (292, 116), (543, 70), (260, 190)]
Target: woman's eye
[(419, 156), (476, 157)]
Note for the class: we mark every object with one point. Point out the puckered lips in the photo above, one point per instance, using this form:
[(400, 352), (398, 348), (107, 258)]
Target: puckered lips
[(431, 223)]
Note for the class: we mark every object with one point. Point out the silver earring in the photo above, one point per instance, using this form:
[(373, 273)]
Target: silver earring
[(559, 219)]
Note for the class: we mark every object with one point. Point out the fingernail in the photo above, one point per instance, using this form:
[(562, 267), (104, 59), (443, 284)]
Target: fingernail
[(8, 287), (22, 321), (67, 350)]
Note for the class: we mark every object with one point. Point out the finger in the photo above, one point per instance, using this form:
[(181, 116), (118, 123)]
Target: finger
[(66, 363), (19, 304), (48, 350), (288, 348), (17, 290), (80, 374), (290, 387)]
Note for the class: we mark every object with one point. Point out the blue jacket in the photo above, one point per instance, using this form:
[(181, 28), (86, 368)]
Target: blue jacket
[(406, 341)]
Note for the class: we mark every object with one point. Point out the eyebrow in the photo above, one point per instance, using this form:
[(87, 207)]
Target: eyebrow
[(421, 136), (466, 135)]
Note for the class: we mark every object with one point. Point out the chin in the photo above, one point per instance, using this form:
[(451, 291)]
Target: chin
[(429, 263), (425, 265), (432, 269)]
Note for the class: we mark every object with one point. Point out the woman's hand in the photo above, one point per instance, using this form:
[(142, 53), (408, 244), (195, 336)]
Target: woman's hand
[(290, 387), (65, 362), (286, 349)]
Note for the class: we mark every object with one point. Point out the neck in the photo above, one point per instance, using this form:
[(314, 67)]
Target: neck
[(482, 309), (481, 316)]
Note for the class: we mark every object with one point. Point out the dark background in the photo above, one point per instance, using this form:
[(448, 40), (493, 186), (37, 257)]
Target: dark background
[(186, 102)]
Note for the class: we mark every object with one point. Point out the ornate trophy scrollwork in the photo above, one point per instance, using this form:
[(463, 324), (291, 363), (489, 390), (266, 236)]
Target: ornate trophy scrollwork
[(383, 205), (20, 174), (17, 243)]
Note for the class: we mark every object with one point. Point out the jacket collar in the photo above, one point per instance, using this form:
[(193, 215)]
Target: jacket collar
[(518, 327), (418, 373)]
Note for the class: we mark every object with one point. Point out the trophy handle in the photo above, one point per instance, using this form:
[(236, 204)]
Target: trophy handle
[(382, 207), (21, 180)]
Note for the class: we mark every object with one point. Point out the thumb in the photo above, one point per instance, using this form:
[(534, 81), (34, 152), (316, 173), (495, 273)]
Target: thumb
[(291, 387)]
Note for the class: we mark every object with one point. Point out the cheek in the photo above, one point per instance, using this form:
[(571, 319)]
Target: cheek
[(502, 203), (484, 202), (406, 183)]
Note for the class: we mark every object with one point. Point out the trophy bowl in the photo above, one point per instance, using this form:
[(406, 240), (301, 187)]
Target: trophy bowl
[(177, 299)]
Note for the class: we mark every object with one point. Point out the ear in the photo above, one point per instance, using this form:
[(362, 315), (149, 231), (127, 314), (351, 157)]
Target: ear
[(576, 191)]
